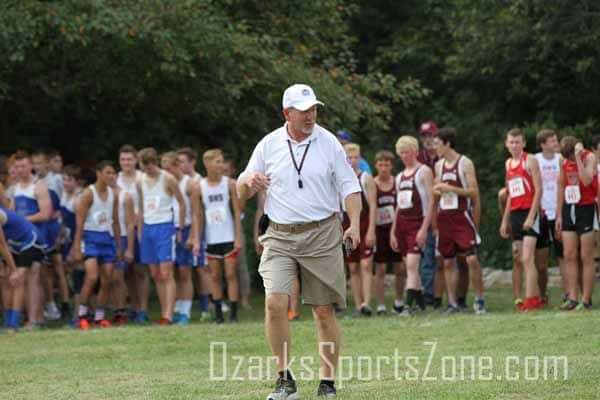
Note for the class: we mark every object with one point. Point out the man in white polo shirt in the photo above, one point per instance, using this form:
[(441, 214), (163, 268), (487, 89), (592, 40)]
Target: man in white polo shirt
[(304, 171)]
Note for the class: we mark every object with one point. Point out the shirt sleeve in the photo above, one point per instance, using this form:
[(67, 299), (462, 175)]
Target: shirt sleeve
[(364, 166), (345, 179), (256, 162)]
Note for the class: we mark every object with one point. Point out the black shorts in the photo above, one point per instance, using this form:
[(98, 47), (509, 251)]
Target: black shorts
[(27, 257), (548, 237), (220, 250), (579, 219), (517, 219)]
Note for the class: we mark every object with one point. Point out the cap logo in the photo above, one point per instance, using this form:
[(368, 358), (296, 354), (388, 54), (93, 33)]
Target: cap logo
[(305, 92), (425, 126)]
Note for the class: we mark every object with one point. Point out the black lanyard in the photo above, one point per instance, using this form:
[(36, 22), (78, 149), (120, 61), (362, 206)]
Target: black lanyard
[(298, 168)]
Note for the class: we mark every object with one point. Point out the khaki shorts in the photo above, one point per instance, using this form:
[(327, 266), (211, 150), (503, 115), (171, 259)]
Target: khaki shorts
[(316, 254)]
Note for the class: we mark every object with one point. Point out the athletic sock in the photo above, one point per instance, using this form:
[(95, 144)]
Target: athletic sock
[(78, 276), (218, 309), (177, 308), (99, 315), (83, 310), (398, 303), (185, 307), (410, 297), (329, 383), (7, 317), (15, 319), (234, 309), (462, 301), (286, 375), (203, 300), (437, 302), (420, 299)]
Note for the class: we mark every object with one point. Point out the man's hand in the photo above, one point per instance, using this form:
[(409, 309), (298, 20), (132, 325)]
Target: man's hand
[(17, 278), (353, 233), (504, 231), (558, 228), (370, 239), (76, 254), (178, 236), (394, 242), (442, 188), (237, 244), (128, 256), (258, 182), (527, 224), (421, 238)]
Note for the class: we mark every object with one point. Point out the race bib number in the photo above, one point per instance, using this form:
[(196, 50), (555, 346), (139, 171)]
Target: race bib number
[(405, 199), (151, 203), (516, 187), (572, 194), (449, 201), (101, 218), (216, 216), (385, 215)]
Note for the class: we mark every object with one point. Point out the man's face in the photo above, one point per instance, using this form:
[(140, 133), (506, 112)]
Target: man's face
[(40, 165), (150, 169), (301, 121), (407, 155), (427, 139), (56, 164), (106, 175), (23, 168), (215, 165), (127, 162), (69, 183), (353, 158), (383, 167), (187, 166), (441, 149), (551, 145), (228, 169), (515, 144)]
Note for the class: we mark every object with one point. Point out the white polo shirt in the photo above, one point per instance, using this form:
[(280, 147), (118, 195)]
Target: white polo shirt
[(326, 175)]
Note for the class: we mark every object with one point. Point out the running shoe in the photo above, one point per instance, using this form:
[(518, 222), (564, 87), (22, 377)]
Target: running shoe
[(479, 306), (284, 390), (326, 391)]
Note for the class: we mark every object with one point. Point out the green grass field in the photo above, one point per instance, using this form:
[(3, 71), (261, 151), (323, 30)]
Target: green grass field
[(174, 362)]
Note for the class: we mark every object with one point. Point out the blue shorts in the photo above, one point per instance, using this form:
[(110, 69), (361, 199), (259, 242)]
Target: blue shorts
[(52, 230), (99, 245), (158, 243), (183, 256), (122, 265)]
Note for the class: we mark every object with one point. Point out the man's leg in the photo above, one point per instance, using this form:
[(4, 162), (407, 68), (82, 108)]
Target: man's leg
[(355, 281), (541, 263), (166, 275), (91, 277), (428, 266), (105, 272), (517, 272), (35, 288), (462, 289), (142, 283), (451, 278), (329, 340), (233, 287), (118, 290), (379, 284), (59, 270), (439, 282), (366, 280), (587, 245), (277, 328), (185, 292), (399, 285), (532, 288), (160, 286), (571, 257), (216, 272), (414, 291)]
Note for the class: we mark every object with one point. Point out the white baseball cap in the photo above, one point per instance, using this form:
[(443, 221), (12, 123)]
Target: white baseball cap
[(299, 96)]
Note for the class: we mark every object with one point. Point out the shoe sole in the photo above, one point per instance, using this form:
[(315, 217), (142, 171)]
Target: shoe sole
[(293, 396)]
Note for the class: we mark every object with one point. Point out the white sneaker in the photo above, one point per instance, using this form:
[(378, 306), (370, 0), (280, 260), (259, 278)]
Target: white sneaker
[(224, 307), (51, 312), (381, 309)]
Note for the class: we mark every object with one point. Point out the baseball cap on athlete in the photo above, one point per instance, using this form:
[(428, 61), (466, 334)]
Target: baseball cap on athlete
[(344, 135), (299, 96), (428, 128)]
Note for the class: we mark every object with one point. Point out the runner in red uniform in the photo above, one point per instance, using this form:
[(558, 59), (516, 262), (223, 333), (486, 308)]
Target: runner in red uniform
[(413, 217), (576, 218), (360, 261), (386, 209), (455, 188), (522, 212)]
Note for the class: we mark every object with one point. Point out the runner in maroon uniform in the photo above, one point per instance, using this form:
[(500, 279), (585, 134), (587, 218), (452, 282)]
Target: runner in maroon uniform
[(522, 211), (576, 218), (386, 209), (360, 261), (413, 217), (455, 188)]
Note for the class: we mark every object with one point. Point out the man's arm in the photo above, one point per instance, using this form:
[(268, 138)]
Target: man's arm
[(83, 206), (116, 226), (427, 182), (254, 178), (237, 215), (560, 198), (129, 209), (260, 210), (4, 249), (471, 178), (372, 199), (173, 189), (42, 196), (353, 204), (140, 215), (197, 220), (534, 169), (587, 168)]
